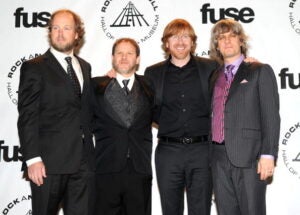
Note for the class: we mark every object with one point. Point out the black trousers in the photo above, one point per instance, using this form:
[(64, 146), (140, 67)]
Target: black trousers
[(123, 193), (238, 191), (72, 192), (182, 168)]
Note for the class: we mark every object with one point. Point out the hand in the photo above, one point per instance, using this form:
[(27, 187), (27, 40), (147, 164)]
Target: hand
[(265, 167), (36, 173), (250, 60), (111, 73)]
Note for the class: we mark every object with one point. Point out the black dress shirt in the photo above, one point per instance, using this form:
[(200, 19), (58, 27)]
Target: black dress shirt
[(183, 111)]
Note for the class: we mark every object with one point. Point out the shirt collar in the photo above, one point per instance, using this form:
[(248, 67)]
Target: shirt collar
[(60, 55), (120, 78), (236, 64)]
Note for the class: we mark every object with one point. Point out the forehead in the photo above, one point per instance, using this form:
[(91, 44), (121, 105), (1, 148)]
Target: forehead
[(125, 45), (225, 28), (180, 31), (63, 18), (226, 32)]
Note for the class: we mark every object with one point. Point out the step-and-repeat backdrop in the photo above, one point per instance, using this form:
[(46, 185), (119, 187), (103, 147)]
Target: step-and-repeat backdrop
[(273, 28)]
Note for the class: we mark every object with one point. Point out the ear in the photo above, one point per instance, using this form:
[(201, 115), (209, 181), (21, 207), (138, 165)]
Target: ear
[(138, 60), (241, 41), (167, 44)]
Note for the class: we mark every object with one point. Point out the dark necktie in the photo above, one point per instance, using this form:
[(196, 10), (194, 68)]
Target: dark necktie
[(229, 73), (73, 77), (125, 83)]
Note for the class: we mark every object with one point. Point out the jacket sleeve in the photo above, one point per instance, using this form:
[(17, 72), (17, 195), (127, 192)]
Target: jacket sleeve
[(269, 106), (28, 106)]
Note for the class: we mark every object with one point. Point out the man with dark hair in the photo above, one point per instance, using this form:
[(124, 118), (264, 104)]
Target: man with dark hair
[(182, 111), (54, 122), (245, 124), (123, 115)]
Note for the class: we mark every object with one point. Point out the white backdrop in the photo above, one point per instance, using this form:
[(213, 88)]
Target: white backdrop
[(274, 30)]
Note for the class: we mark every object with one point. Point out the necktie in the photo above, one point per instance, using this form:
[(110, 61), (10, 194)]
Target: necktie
[(73, 77), (228, 72), (125, 83)]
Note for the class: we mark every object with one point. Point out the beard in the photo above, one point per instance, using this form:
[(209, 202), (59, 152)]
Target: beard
[(63, 47), (127, 71), (180, 54)]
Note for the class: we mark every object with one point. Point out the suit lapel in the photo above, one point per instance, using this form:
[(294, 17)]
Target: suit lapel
[(204, 82), (109, 90), (145, 96), (239, 76), (55, 67), (100, 98), (85, 74), (145, 87), (160, 84)]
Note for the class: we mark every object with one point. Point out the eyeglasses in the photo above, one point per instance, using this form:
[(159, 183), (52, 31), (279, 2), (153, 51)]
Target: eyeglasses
[(223, 37), (183, 37), (64, 28)]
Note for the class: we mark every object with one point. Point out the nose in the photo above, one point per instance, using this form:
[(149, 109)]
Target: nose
[(124, 56), (227, 39), (60, 30), (180, 39)]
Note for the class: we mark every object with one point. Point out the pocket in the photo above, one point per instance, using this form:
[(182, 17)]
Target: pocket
[(251, 133)]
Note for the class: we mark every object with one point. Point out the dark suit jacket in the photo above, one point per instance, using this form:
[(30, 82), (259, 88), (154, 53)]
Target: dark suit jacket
[(113, 138), (52, 119), (251, 115), (156, 75)]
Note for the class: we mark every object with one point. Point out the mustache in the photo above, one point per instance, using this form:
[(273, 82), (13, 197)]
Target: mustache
[(61, 37)]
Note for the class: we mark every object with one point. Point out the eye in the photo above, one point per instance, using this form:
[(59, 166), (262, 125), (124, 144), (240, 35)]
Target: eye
[(54, 28), (185, 36), (175, 37), (232, 36), (221, 37), (68, 28)]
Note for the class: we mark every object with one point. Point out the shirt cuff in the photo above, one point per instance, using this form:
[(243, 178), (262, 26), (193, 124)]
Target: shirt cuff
[(267, 156), (33, 160)]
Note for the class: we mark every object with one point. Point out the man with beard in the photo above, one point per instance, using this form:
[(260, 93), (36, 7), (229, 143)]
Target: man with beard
[(123, 115), (182, 111), (53, 123)]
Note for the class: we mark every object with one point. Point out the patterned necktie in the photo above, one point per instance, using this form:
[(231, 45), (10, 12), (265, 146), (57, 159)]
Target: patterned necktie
[(125, 83), (229, 73), (73, 77)]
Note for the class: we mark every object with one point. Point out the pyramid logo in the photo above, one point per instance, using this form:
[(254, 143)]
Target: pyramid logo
[(130, 17), (136, 18)]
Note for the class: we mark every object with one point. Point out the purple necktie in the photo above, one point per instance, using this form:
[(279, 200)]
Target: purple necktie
[(229, 73)]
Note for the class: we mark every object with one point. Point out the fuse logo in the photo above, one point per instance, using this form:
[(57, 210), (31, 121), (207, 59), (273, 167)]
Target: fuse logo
[(31, 20), (212, 15), (7, 156), (287, 80)]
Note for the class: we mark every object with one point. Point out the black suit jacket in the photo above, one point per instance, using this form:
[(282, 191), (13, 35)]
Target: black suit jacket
[(52, 120), (156, 75), (251, 115), (113, 138)]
